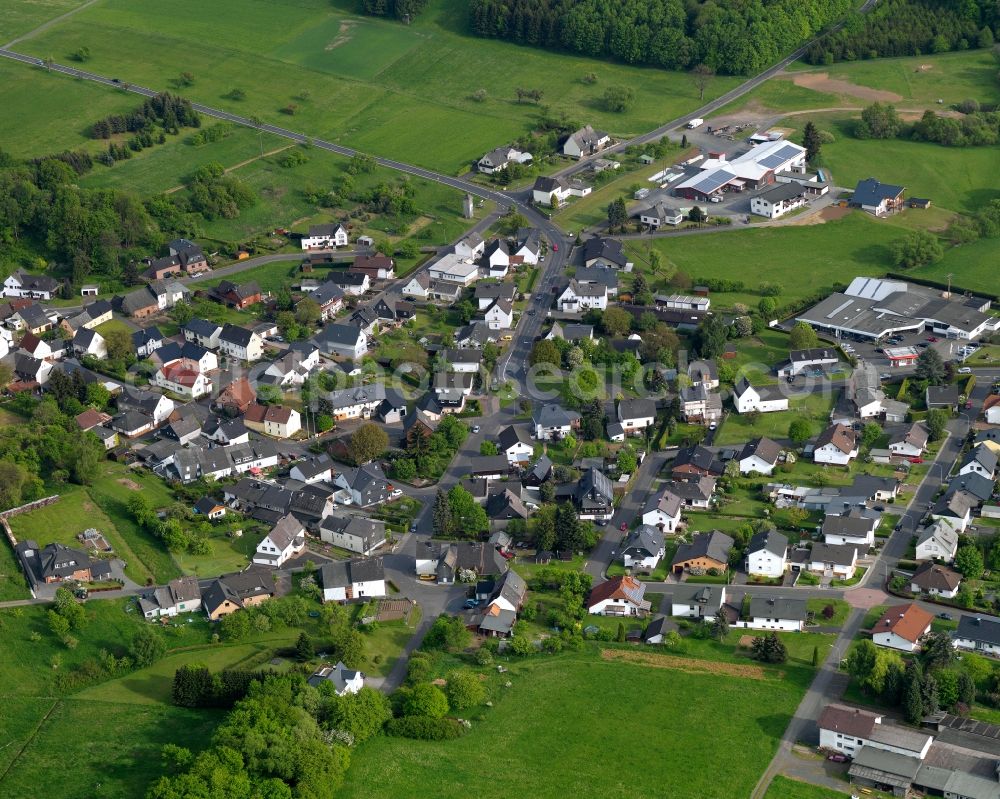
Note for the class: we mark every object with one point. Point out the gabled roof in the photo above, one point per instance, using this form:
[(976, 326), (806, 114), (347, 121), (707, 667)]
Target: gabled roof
[(870, 192), (202, 328), (848, 721), (234, 334), (341, 574), (338, 333), (595, 483), (764, 448), (976, 628), (636, 409), (770, 540), (840, 436), (699, 457), (284, 533), (512, 435), (643, 540), (605, 249), (915, 435), (983, 456), (942, 532), (837, 554), (778, 608), (554, 416), (623, 588)]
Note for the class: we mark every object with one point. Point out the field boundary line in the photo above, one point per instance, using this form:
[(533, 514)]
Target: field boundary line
[(46, 25), (27, 743), (240, 165)]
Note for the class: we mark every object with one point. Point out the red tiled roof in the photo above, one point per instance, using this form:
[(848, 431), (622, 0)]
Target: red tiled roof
[(909, 622)]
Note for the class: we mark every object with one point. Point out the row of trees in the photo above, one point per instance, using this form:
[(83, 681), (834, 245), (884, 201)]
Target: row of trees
[(909, 27), (729, 36), (977, 128), (400, 9)]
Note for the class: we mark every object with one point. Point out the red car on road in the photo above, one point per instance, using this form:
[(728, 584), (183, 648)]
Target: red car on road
[(555, 248), (932, 338), (623, 527)]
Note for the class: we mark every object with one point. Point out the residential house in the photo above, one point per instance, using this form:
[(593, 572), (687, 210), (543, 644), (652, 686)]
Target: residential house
[(695, 461), (273, 420), (190, 255), (232, 592), (502, 598), (936, 580), (642, 548), (330, 299), (610, 253), (181, 595), (856, 527), (474, 335), (210, 508), (515, 443), (56, 563), (659, 215), (955, 508), (553, 422), (417, 286), (490, 467), (37, 348), (938, 541), (350, 283), (706, 551), (811, 360), (594, 496), (347, 580), (33, 318), (778, 201), (877, 198), (292, 369), (499, 159), (235, 295), (977, 634), (901, 627), (325, 237), (700, 405), (849, 729), (578, 297), (466, 559), (527, 247), (137, 304), (184, 378), (146, 341), (38, 287), (93, 315), (663, 511), (619, 596), (759, 456), (909, 442), (696, 494), (767, 554), (455, 269), (981, 460), (499, 316), (150, 403), (225, 431), (367, 484), (504, 506), (359, 534), (496, 259), (834, 560), (203, 333), (341, 339), (286, 540), (942, 397), (460, 360), (376, 266), (392, 408), (585, 142), (315, 469), (776, 613), (236, 397), (763, 399), (344, 680), (132, 424), (836, 445), (698, 602), (991, 409), (471, 247), (636, 415), (241, 344)]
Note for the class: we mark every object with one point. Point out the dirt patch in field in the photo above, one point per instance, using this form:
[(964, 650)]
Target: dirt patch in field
[(88, 506), (343, 34), (828, 214), (689, 665), (822, 82), (131, 485)]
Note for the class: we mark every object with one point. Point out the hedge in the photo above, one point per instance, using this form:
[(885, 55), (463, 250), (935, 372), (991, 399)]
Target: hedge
[(904, 389), (424, 728)]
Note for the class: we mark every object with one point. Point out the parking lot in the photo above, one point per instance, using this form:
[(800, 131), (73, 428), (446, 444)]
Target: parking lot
[(949, 349)]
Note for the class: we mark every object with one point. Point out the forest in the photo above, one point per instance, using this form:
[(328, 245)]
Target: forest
[(735, 37), (910, 27)]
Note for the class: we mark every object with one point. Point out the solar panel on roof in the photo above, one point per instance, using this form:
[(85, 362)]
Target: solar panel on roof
[(714, 181), (779, 157)]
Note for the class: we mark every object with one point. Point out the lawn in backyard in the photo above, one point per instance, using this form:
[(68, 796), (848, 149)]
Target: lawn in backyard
[(831, 254), (738, 428), (371, 82), (12, 582), (551, 733), (114, 748)]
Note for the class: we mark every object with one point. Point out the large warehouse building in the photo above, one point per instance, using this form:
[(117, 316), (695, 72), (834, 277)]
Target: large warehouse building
[(754, 169), (873, 308)]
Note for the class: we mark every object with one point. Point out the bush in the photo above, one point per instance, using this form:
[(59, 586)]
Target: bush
[(424, 728)]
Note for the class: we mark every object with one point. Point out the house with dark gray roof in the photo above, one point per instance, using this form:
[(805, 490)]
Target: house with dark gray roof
[(977, 634), (706, 551), (56, 563), (347, 580), (776, 613), (360, 534), (343, 680), (642, 548), (697, 601), (759, 455), (594, 495), (636, 415), (553, 422), (767, 554), (286, 540), (833, 560)]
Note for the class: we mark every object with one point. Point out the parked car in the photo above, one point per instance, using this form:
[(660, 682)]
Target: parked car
[(623, 526), (475, 428), (413, 527), (932, 338), (471, 603), (428, 578), (965, 370), (945, 616), (395, 493), (836, 757)]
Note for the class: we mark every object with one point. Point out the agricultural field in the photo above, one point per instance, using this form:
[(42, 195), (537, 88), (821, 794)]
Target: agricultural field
[(786, 788), (117, 758), (550, 732), (370, 83)]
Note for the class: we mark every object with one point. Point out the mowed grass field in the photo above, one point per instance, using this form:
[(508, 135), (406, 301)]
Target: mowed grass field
[(22, 16), (786, 788), (102, 750), (396, 90), (568, 727)]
